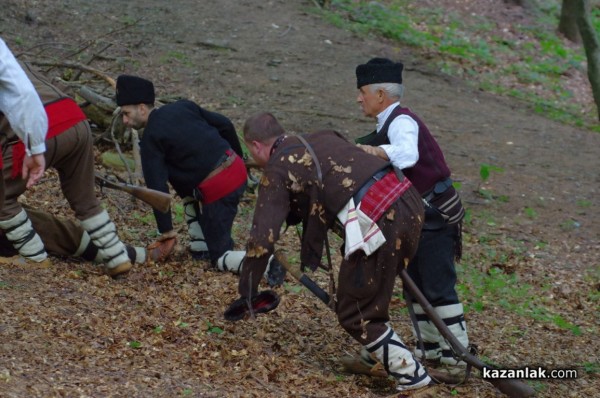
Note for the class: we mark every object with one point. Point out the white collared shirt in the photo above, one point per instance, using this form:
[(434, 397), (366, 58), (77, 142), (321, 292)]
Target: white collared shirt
[(403, 133), (21, 104)]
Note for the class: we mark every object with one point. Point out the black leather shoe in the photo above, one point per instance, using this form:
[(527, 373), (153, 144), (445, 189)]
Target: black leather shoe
[(276, 273)]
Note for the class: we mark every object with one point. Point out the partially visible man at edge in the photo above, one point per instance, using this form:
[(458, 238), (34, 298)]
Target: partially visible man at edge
[(70, 152), (351, 186), (22, 107), (404, 140), (63, 237)]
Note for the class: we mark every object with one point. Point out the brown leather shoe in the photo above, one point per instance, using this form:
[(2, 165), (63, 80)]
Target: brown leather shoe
[(356, 366), (22, 261), (160, 250), (119, 269)]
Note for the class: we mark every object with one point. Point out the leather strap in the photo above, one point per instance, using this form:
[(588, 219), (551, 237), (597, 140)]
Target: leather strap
[(322, 197), (222, 166)]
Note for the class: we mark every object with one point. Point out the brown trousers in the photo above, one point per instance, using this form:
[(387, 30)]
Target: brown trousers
[(61, 236), (71, 153), (366, 284)]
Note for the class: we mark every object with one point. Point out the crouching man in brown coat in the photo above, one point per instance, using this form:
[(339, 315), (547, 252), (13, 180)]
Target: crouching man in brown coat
[(321, 179)]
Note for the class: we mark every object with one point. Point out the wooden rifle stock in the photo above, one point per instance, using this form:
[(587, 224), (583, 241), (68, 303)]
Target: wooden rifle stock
[(161, 201), (513, 388)]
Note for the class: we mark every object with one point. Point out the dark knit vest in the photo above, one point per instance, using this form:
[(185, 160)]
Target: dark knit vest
[(431, 166)]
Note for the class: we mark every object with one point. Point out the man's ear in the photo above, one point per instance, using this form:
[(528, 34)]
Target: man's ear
[(256, 146)]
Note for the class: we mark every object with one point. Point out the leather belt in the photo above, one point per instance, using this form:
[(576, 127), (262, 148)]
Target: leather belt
[(225, 162), (438, 188), (374, 178)]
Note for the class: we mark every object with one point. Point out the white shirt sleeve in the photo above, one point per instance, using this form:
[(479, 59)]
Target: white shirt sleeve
[(21, 104), (403, 150)]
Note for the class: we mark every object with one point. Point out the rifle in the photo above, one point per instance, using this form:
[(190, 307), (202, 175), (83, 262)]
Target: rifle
[(511, 387), (161, 201)]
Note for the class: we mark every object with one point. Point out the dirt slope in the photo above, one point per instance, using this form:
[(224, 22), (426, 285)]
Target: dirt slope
[(66, 330)]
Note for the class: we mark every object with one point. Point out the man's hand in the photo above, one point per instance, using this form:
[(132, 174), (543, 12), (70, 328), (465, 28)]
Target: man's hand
[(33, 169), (374, 150), (160, 250), (243, 307)]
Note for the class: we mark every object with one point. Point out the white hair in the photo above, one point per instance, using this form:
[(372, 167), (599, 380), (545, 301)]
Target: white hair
[(392, 90)]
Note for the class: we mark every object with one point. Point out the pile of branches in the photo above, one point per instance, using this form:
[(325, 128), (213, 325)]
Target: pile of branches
[(87, 72)]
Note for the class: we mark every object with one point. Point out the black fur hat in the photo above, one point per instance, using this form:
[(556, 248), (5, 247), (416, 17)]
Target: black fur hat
[(378, 70), (133, 90)]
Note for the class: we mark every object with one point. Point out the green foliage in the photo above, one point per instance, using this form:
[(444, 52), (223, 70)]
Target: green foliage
[(469, 47), (584, 203), (591, 368), (181, 324), (176, 57), (158, 329), (530, 212), (495, 288), (166, 274), (135, 344), (178, 212), (486, 169), (147, 219), (210, 328), (569, 225)]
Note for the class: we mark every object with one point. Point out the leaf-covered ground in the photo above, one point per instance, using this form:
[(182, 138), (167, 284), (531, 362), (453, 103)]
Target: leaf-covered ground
[(529, 278)]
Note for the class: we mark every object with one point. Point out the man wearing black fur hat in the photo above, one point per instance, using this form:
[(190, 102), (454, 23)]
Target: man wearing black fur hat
[(198, 152), (403, 139)]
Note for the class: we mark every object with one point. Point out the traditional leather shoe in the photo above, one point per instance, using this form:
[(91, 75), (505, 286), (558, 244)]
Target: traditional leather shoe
[(160, 250), (263, 302), (356, 366), (276, 273), (22, 261), (119, 269)]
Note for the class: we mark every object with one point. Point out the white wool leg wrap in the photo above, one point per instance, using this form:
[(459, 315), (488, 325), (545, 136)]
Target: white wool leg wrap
[(197, 241), (83, 245), (398, 361), (454, 318), (232, 261), (103, 234), (87, 249), (429, 333), (366, 358), (25, 240), (140, 255)]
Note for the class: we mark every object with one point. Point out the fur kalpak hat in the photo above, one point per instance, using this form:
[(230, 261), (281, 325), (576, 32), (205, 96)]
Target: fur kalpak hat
[(379, 70), (133, 90)]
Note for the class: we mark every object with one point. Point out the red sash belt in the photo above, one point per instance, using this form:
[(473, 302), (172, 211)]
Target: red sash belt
[(382, 195), (62, 115), (225, 181)]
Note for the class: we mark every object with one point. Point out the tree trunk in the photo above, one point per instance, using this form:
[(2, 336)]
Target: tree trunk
[(568, 21), (591, 45)]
